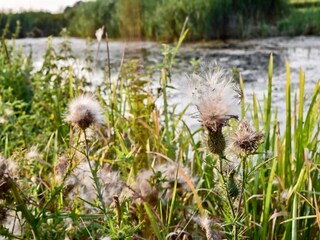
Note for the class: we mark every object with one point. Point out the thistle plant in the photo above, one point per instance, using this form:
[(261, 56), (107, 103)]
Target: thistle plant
[(85, 111), (216, 97)]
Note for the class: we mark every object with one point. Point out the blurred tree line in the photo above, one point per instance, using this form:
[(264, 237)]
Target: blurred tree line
[(148, 19)]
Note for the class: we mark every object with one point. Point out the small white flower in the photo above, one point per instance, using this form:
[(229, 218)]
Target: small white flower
[(99, 34), (84, 111)]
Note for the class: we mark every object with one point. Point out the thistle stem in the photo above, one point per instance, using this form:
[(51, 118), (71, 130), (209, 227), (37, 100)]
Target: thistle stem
[(225, 182), (243, 161), (228, 197), (94, 176)]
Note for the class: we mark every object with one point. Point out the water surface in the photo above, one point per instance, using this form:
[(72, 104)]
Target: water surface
[(250, 57)]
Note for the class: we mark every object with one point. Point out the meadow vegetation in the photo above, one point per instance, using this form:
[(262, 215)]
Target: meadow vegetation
[(113, 163)]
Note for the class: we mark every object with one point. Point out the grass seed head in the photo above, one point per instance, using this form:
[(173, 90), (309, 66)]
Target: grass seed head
[(85, 111)]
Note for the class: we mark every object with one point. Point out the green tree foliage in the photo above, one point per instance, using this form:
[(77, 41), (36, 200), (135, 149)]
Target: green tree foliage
[(160, 20), (32, 24)]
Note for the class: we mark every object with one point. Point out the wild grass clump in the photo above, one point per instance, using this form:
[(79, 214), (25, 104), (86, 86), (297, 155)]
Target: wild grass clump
[(112, 164)]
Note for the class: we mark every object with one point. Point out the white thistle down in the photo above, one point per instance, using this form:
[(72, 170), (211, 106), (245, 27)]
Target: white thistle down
[(210, 226), (215, 95), (33, 153), (80, 183), (99, 34), (149, 188), (84, 111)]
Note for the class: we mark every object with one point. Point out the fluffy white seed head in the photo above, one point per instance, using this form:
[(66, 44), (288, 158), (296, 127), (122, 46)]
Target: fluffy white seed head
[(84, 111), (99, 33), (215, 95)]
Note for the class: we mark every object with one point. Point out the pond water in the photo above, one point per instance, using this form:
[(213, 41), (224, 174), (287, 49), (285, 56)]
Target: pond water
[(251, 57)]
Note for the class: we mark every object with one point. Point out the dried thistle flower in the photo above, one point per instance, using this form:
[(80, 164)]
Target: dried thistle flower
[(84, 111), (62, 164), (216, 97), (106, 238), (60, 167), (246, 140)]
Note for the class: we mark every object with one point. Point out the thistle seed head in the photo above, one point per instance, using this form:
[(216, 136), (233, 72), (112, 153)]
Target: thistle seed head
[(215, 95), (246, 140), (84, 111)]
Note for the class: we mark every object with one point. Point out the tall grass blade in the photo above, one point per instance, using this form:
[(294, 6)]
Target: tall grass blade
[(268, 106), (299, 146), (268, 195), (288, 128), (294, 234), (153, 221)]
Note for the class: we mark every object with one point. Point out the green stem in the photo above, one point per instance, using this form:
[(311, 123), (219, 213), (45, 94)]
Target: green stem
[(95, 176), (243, 161), (165, 110), (225, 183), (228, 197)]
